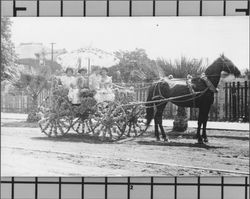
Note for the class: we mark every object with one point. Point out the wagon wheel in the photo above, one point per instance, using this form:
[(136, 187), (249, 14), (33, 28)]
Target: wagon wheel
[(80, 126), (54, 126), (108, 121), (136, 121), (57, 117)]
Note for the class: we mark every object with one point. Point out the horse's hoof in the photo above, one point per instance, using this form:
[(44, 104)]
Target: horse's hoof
[(200, 141), (204, 138), (165, 139)]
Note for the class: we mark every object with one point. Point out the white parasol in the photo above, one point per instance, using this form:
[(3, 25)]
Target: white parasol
[(87, 57)]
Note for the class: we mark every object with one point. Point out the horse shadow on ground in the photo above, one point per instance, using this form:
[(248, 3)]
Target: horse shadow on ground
[(150, 139), (192, 135), (70, 137), (179, 144)]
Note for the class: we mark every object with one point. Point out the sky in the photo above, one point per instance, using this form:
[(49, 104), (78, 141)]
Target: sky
[(161, 37)]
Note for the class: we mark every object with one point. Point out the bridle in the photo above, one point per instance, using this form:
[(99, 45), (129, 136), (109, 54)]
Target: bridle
[(224, 62)]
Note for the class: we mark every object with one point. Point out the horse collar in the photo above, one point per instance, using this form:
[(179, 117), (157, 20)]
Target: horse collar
[(209, 83)]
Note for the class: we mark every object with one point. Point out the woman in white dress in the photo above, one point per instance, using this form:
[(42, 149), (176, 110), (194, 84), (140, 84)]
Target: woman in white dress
[(82, 79), (69, 81), (105, 92)]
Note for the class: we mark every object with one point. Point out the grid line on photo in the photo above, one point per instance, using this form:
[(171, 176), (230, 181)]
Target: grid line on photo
[(126, 187), (132, 8)]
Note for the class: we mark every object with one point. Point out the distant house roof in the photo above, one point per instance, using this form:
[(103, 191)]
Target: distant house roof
[(29, 50)]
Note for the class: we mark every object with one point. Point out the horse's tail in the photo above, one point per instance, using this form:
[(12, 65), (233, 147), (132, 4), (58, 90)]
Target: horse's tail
[(149, 107)]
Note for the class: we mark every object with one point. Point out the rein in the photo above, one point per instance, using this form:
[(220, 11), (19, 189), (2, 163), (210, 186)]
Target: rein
[(198, 94)]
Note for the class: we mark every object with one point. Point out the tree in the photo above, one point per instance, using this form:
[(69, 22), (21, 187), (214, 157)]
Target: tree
[(8, 55), (134, 66), (33, 79), (247, 74), (180, 69), (32, 85)]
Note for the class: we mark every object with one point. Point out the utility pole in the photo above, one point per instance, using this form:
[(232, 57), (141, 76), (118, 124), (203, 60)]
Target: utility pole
[(50, 69), (52, 57), (52, 51)]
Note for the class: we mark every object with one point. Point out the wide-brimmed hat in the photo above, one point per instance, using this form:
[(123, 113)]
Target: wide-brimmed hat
[(82, 69), (103, 68), (68, 69)]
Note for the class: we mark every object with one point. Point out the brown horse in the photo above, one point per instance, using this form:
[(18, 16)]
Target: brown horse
[(198, 93)]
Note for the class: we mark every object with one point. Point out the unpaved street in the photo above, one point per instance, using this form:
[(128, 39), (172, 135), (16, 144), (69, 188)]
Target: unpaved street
[(27, 152)]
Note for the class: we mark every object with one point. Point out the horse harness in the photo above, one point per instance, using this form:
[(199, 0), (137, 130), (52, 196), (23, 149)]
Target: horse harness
[(158, 96), (209, 83)]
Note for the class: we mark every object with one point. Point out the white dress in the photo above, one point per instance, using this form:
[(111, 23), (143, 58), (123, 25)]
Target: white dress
[(71, 84), (105, 93), (68, 82), (94, 82)]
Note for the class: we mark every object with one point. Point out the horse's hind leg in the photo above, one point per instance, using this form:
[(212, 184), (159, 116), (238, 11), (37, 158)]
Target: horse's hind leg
[(165, 138), (156, 129)]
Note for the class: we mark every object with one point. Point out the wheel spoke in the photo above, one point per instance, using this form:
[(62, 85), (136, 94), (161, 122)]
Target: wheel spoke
[(51, 128), (60, 128), (80, 129), (110, 133), (64, 124), (104, 132), (129, 129), (135, 130), (55, 129)]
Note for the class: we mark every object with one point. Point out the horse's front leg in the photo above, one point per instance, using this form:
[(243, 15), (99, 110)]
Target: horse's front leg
[(198, 135), (159, 118), (205, 118)]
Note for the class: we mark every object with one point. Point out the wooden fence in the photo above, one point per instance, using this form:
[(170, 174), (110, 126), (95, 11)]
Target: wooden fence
[(237, 101), (19, 103), (231, 103), (14, 103)]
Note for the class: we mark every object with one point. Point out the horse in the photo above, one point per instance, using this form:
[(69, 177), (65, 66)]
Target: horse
[(197, 92)]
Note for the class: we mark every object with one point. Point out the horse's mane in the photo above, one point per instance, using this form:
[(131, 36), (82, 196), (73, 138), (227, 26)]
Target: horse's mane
[(214, 65)]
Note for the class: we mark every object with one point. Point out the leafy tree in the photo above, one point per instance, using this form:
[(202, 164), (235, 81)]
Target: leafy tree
[(134, 66), (7, 50), (33, 79), (247, 74), (181, 68)]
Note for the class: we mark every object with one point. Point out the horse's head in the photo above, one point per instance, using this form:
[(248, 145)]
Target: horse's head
[(228, 66)]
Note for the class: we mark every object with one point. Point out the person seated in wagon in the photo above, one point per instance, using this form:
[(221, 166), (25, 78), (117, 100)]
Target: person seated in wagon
[(82, 80), (69, 81), (83, 84), (104, 90)]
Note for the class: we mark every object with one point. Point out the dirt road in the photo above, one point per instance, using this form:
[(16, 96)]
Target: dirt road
[(27, 152)]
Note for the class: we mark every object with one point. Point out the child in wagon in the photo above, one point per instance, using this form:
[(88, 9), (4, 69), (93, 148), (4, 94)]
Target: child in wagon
[(83, 84), (82, 80)]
